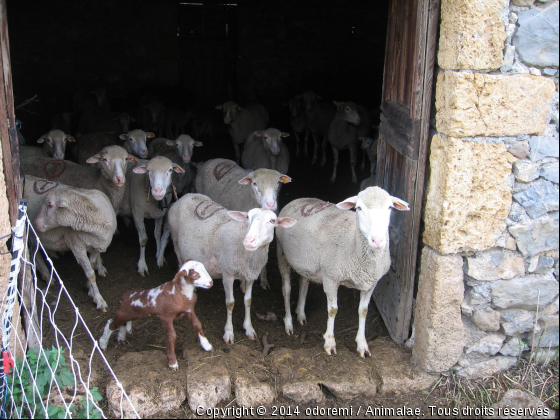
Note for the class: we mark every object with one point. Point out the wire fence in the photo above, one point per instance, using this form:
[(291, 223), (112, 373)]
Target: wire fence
[(44, 372)]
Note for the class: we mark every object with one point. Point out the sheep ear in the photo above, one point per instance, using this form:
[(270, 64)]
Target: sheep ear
[(150, 135), (285, 179), (285, 135), (42, 139), (285, 222), (63, 203), (140, 169), (219, 107), (170, 143), (70, 138), (198, 143), (239, 216), (123, 136), (399, 204), (180, 274), (348, 204), (238, 108), (247, 179), (178, 169), (132, 159), (259, 133), (94, 159)]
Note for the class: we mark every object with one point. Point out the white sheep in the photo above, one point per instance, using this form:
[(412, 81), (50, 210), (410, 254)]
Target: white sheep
[(242, 121), (180, 151), (136, 142), (204, 231), (343, 134), (72, 219), (333, 247), (265, 149), (54, 145), (108, 176), (319, 116), (148, 195)]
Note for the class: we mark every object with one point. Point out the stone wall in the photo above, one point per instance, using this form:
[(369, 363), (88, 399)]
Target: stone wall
[(492, 198)]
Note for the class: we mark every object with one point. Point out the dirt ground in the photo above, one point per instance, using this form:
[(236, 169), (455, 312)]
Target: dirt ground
[(122, 256)]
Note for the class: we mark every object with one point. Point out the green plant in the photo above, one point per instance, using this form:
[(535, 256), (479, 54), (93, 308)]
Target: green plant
[(31, 383)]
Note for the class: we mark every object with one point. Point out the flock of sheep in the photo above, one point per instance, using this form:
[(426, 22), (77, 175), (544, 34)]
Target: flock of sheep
[(216, 213)]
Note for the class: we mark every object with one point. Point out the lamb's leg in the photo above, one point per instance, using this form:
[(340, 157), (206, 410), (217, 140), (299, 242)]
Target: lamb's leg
[(264, 279), (93, 291), (286, 287), (300, 311), (331, 290), (335, 154), (143, 239), (104, 340), (230, 303), (316, 143), (363, 347), (249, 330), (198, 328), (171, 339)]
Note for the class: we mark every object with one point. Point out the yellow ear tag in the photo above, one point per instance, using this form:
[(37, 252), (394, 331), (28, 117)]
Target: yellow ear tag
[(285, 179)]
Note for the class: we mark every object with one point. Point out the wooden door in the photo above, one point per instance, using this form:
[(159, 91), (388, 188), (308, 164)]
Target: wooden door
[(403, 146)]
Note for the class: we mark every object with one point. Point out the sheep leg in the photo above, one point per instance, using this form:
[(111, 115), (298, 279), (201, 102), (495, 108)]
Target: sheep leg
[(104, 340), (297, 142), (353, 156), (163, 244), (143, 239), (230, 303), (264, 279), (331, 290), (237, 153), (171, 340), (286, 287), (157, 233), (300, 311), (97, 263), (249, 330), (316, 142), (197, 325), (93, 291), (335, 153), (305, 140), (363, 347), (324, 144)]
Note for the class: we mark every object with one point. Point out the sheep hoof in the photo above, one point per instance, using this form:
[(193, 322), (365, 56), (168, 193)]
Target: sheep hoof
[(302, 321), (228, 337), (265, 285), (174, 367)]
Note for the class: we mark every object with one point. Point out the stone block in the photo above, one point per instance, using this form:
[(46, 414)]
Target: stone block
[(524, 292), (520, 150), (208, 383), (253, 390), (549, 333), (488, 368), (495, 264), (552, 308), (488, 345), (467, 41), (540, 198), (468, 195), (440, 337), (537, 236), (516, 399), (513, 347), (536, 40), (550, 171), (474, 104), (487, 319), (543, 147), (526, 170), (517, 321), (149, 383)]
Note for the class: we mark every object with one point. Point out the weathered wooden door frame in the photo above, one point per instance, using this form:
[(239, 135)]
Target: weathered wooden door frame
[(403, 147)]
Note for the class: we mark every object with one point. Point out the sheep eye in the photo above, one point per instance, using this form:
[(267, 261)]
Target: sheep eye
[(358, 208), (254, 184)]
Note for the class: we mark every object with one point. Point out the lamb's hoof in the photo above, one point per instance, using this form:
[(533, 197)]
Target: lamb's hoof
[(329, 350), (174, 367), (251, 335), (302, 321), (228, 337), (143, 272), (288, 327), (363, 353)]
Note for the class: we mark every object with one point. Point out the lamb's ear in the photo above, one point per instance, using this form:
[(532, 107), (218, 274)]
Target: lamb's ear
[(70, 139), (150, 135), (142, 169), (180, 274), (285, 222), (348, 204), (94, 159), (239, 216), (285, 179), (178, 169), (399, 204), (247, 179)]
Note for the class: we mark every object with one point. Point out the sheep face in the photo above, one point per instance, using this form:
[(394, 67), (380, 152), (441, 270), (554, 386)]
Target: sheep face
[(265, 184), (47, 217), (272, 139), (197, 272), (137, 141), (373, 211), (159, 170), (113, 161), (55, 143), (310, 99), (349, 112), (261, 226), (185, 145), (230, 110)]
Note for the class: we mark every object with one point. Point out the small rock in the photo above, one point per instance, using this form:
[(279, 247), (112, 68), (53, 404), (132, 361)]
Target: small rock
[(517, 321), (495, 264), (513, 347), (307, 392), (486, 319), (489, 344), (253, 390), (520, 150), (552, 308), (542, 147), (516, 404), (208, 384), (550, 171), (488, 368), (549, 333), (524, 292)]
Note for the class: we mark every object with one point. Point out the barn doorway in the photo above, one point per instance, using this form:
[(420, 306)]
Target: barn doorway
[(210, 51)]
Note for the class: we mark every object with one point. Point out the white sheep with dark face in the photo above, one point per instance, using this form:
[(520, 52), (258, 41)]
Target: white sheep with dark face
[(334, 247)]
